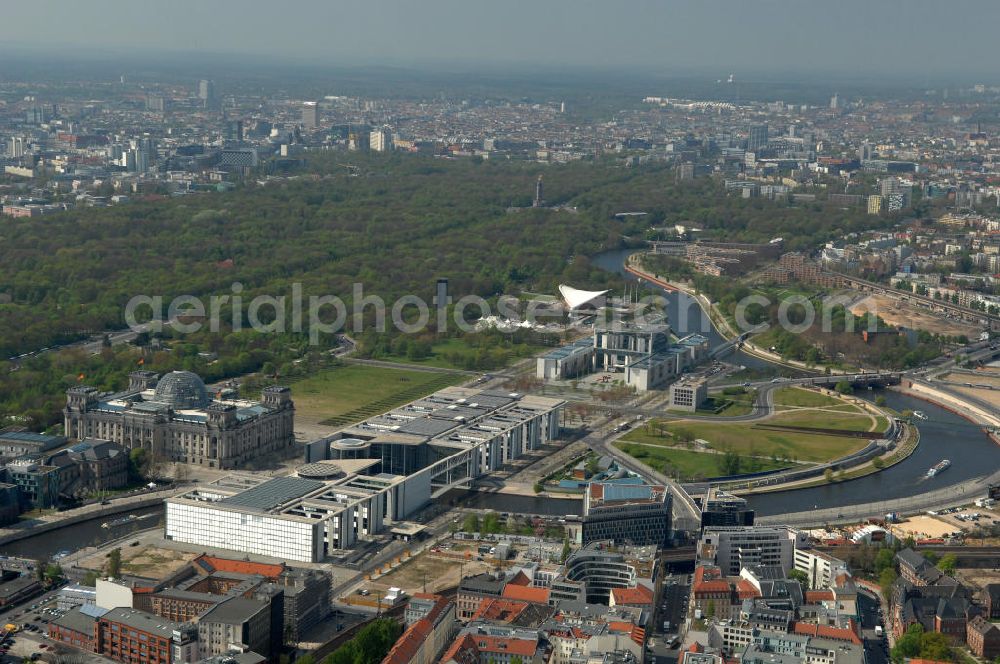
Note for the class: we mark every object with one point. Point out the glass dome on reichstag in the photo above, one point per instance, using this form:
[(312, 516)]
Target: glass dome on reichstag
[(182, 390)]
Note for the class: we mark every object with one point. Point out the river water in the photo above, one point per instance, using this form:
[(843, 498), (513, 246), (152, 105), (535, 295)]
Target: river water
[(684, 313), (943, 435), (81, 534)]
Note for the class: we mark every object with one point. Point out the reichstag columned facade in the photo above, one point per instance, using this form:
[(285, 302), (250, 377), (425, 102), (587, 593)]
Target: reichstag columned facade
[(174, 418)]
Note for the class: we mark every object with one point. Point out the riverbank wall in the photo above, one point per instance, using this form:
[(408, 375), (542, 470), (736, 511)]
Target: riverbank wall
[(953, 404), (16, 534)]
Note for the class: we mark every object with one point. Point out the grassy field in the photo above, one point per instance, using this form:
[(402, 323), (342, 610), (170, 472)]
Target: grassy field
[(746, 438), (353, 392), (739, 404), (687, 465), (795, 396), (452, 354)]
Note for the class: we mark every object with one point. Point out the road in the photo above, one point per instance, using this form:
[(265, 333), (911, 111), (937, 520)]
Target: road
[(947, 497), (686, 514), (95, 343), (26, 641), (673, 604), (876, 647)]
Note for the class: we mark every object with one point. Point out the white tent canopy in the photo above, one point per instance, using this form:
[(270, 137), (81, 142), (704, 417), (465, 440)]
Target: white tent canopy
[(575, 298)]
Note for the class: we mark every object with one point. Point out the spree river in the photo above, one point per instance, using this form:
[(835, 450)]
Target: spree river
[(943, 435), (684, 313), (81, 534)]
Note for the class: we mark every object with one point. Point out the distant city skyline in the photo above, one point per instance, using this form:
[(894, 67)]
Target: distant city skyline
[(887, 39)]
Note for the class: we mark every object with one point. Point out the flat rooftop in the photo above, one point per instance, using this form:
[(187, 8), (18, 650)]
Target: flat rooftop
[(273, 493)]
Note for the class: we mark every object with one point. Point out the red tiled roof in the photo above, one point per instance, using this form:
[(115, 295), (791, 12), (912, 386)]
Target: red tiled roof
[(746, 590), (499, 610), (620, 625), (523, 647), (462, 649), (520, 579), (406, 647), (240, 566), (527, 594), (709, 579), (817, 596), (467, 647), (638, 595), (828, 632)]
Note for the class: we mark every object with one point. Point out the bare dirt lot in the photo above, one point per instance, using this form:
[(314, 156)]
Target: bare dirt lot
[(144, 560), (977, 578), (896, 312), (437, 572), (923, 526)]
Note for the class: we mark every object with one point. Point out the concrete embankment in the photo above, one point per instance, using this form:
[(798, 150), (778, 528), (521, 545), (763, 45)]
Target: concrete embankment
[(953, 404), (79, 515)]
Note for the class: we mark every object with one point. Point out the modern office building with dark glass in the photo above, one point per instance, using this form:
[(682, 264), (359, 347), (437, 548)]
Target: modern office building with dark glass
[(637, 514)]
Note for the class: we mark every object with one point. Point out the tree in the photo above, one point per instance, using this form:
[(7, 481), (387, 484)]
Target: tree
[(139, 463), (471, 523), (948, 563), (490, 524), (369, 646), (114, 564), (885, 580), (565, 550), (801, 577), (828, 474), (53, 573), (918, 643), (844, 387), (884, 559), (90, 579), (710, 609), (908, 645)]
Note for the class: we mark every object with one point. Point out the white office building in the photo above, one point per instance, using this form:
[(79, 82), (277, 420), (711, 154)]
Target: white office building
[(733, 548), (380, 140), (366, 479)]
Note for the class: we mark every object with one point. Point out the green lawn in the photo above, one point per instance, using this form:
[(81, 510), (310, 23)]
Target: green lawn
[(690, 466), (353, 392), (745, 438), (454, 353), (796, 396), (741, 404), (826, 419)]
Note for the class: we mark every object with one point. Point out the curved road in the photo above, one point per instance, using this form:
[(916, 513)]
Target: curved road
[(894, 486)]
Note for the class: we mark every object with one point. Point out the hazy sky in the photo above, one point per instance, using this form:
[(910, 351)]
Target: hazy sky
[(874, 38)]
